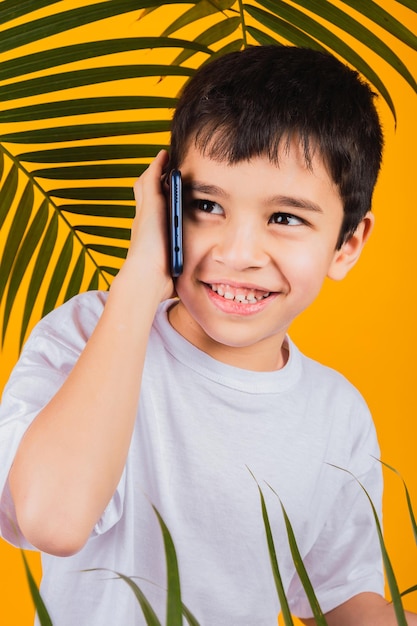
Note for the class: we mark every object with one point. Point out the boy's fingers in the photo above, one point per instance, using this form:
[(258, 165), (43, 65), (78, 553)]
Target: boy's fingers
[(152, 176), (150, 202)]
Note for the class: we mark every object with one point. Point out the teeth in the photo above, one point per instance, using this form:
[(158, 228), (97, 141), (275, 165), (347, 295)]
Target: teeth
[(249, 297)]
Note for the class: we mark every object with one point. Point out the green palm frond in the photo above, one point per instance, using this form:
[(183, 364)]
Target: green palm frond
[(66, 198), (41, 610), (269, 21), (79, 121), (389, 570)]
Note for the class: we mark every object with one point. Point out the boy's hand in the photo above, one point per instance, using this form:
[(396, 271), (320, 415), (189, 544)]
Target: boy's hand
[(148, 252), (364, 609), (99, 398)]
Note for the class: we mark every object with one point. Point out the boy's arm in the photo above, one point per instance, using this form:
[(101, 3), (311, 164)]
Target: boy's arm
[(365, 609), (71, 458)]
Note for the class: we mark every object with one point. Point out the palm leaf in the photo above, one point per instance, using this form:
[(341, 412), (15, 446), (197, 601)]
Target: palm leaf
[(80, 132), (174, 604), (147, 610), (213, 34), (411, 589), (93, 193), (99, 210), (91, 153), (90, 50), (391, 579), (197, 12), (23, 258), (285, 609), (11, 10), (408, 499), (149, 614), (175, 609), (283, 601), (59, 274), (387, 21), (81, 78), (327, 37), (348, 24), (42, 261), (77, 263), (301, 570), (17, 229), (40, 607), (408, 3), (189, 616), (288, 31), (8, 191), (76, 277), (63, 21), (84, 106)]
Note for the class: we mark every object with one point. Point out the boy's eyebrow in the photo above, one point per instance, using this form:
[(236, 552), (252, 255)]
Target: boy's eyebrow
[(204, 188), (278, 199), (295, 203)]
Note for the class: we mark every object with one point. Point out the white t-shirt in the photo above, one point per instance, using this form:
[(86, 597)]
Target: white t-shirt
[(204, 430)]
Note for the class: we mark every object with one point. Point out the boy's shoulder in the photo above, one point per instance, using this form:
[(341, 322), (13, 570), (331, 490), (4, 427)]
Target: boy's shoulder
[(330, 384), (84, 306), (69, 325), (316, 368)]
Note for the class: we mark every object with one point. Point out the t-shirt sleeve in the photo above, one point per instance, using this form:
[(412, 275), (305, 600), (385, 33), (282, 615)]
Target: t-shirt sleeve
[(46, 360), (346, 558)]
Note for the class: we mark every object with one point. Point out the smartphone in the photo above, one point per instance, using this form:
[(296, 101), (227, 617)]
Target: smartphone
[(175, 222)]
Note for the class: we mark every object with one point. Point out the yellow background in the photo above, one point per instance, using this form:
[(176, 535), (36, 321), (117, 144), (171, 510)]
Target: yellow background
[(364, 326)]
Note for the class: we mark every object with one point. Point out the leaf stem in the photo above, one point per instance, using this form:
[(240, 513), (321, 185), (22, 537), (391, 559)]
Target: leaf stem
[(53, 204), (243, 24)]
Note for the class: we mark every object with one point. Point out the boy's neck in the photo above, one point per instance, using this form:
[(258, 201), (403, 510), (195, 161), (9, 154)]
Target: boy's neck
[(266, 356)]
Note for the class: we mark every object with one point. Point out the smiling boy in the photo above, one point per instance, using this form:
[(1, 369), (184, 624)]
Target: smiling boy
[(140, 397), (262, 233)]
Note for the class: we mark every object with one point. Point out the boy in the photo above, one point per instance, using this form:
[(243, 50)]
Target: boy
[(135, 398)]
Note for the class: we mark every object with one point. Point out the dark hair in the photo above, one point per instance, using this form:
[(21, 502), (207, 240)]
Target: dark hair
[(245, 104)]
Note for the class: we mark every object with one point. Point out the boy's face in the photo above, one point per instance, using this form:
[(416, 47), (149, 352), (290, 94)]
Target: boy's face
[(259, 240)]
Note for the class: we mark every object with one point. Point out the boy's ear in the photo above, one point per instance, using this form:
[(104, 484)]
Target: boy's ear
[(345, 258)]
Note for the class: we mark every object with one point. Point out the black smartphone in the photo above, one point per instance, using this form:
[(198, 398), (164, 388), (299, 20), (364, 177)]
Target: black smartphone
[(175, 222)]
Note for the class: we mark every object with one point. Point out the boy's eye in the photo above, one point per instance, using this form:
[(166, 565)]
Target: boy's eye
[(287, 219), (206, 206)]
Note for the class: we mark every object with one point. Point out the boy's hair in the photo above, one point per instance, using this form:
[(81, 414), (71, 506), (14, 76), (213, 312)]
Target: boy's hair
[(246, 104)]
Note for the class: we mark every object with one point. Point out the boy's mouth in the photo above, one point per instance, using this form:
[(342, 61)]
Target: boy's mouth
[(242, 295)]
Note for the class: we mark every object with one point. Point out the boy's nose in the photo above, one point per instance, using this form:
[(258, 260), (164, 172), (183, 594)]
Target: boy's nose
[(241, 248)]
